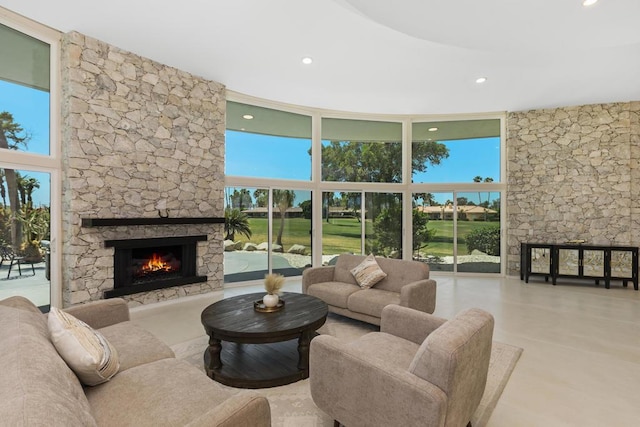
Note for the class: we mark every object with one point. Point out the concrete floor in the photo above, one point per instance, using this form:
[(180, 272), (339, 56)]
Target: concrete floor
[(581, 360)]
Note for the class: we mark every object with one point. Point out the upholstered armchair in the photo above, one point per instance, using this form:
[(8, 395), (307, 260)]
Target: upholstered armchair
[(419, 370)]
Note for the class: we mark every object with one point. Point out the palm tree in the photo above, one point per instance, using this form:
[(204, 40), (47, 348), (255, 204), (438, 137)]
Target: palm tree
[(478, 178), (487, 179), (236, 221), (12, 136), (30, 185), (3, 191), (283, 199)]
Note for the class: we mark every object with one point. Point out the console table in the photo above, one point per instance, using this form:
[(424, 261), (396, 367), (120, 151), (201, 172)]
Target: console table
[(579, 262)]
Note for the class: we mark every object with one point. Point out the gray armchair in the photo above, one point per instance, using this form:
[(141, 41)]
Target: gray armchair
[(419, 370)]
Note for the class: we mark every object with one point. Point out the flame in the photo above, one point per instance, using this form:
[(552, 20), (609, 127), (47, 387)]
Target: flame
[(156, 263)]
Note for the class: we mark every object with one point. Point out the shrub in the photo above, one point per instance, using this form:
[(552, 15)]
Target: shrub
[(486, 239)]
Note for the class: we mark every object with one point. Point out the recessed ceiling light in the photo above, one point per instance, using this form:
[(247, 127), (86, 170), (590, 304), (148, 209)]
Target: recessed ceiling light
[(481, 79), (589, 2), (307, 60), (247, 117), (432, 129)]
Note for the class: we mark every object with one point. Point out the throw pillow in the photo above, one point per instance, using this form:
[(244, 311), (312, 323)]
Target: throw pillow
[(368, 272), (86, 351)]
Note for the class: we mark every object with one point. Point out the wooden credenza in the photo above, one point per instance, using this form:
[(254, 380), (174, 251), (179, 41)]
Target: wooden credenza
[(577, 261)]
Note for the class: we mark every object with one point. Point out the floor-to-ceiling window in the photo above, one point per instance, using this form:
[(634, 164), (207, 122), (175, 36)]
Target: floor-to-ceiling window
[(461, 226), (403, 187), (268, 195), (29, 163)]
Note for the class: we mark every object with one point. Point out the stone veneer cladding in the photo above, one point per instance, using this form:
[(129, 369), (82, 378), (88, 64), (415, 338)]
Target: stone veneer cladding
[(136, 134), (573, 174)]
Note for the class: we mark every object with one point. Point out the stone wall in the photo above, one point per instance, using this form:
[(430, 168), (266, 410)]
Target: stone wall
[(573, 174), (137, 136)]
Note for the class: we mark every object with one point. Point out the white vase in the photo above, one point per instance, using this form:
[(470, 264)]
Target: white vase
[(270, 300)]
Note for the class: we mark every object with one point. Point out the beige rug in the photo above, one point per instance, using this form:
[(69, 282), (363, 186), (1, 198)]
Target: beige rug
[(292, 406)]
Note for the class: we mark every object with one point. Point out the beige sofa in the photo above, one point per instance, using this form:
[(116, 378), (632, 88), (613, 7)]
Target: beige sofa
[(419, 370), (407, 284), (152, 387)]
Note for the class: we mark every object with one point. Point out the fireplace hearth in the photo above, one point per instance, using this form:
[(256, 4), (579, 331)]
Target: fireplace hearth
[(142, 265)]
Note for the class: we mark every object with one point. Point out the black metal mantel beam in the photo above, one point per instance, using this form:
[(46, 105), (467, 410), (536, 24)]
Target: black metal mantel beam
[(106, 222)]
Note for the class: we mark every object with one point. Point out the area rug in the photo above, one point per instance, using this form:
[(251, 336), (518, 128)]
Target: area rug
[(292, 405)]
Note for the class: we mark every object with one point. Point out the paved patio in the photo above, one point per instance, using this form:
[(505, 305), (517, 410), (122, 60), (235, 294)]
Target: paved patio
[(35, 287)]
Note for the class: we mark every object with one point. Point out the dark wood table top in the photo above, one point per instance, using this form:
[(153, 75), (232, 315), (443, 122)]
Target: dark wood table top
[(235, 319)]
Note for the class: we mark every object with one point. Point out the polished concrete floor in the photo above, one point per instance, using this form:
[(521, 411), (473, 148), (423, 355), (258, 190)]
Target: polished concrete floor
[(581, 359)]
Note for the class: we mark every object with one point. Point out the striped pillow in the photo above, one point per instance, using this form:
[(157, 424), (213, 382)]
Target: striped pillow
[(86, 351), (368, 272)]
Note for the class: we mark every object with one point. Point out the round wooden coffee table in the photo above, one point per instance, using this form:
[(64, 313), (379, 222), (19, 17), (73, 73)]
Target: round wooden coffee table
[(261, 349)]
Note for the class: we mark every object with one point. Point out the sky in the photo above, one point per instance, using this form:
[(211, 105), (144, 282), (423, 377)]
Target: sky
[(288, 158), (30, 109)]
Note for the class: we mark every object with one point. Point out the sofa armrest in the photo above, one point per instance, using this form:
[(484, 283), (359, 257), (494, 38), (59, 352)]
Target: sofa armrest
[(99, 314), (356, 388), (243, 409), (407, 323), (316, 275), (419, 295)]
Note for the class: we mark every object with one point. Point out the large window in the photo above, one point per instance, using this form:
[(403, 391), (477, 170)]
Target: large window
[(456, 151), (361, 151), (266, 231), (28, 163), (405, 187), (268, 227), (266, 143)]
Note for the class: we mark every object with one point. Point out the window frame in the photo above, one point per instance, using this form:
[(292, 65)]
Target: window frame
[(51, 163), (406, 187)]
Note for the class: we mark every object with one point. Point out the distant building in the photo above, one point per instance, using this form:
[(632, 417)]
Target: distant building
[(470, 212), (262, 212)]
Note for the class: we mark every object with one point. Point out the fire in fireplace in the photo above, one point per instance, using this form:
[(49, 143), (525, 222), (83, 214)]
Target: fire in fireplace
[(156, 264), (142, 265)]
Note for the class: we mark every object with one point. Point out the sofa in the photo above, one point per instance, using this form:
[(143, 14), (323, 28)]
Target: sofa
[(419, 370), (151, 387), (406, 284)]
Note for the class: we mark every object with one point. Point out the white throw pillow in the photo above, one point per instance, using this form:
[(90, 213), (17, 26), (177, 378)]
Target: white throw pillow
[(368, 272), (86, 351)]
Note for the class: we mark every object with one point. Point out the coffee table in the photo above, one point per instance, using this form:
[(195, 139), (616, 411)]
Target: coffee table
[(261, 349)]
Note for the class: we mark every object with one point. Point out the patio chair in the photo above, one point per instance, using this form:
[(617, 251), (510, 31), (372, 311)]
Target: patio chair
[(7, 254)]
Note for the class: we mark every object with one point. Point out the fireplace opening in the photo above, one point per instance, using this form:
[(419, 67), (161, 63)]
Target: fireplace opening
[(142, 265), (151, 264)]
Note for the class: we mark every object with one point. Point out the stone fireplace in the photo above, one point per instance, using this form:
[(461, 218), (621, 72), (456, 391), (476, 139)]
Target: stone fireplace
[(138, 138), (142, 265)]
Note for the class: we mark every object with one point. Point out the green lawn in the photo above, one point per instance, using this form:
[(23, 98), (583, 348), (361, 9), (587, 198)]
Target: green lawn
[(343, 234)]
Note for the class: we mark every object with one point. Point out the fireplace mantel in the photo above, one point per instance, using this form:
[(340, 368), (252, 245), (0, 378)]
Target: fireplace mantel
[(106, 222)]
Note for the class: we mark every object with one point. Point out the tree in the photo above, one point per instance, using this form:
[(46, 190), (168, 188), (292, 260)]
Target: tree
[(357, 161), (236, 221), (388, 230), (240, 199), (306, 209), (262, 197), (283, 200), (3, 191), (486, 204), (364, 161), (12, 136)]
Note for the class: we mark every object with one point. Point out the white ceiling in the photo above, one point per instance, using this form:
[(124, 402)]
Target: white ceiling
[(379, 56)]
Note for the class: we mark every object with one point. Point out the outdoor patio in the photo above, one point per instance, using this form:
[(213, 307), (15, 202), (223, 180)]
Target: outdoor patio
[(32, 286)]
